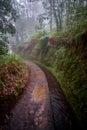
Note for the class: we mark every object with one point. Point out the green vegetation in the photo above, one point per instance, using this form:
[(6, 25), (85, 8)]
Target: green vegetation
[(14, 77), (62, 50), (65, 55), (7, 18), (70, 70), (14, 74)]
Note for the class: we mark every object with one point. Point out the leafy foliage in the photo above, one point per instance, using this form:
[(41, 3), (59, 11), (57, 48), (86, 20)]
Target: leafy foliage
[(65, 54), (3, 48), (7, 14), (67, 61), (11, 74), (14, 76), (7, 17), (7, 59)]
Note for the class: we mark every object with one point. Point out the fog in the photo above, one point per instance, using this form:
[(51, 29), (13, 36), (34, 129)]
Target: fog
[(29, 18)]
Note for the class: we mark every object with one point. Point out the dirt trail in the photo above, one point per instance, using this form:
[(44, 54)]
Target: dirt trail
[(33, 110), (42, 106)]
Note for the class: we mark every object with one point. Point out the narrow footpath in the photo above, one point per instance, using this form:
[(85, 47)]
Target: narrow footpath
[(33, 109)]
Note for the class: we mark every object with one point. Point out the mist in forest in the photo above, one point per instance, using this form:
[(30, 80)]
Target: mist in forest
[(28, 20), (52, 33)]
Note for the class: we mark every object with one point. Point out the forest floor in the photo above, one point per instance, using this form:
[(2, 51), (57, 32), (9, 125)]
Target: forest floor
[(42, 106)]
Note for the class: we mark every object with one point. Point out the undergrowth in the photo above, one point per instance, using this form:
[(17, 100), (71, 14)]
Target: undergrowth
[(14, 76)]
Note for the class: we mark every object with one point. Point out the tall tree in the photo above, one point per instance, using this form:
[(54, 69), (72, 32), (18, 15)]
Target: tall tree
[(65, 12), (25, 24), (7, 17), (55, 10)]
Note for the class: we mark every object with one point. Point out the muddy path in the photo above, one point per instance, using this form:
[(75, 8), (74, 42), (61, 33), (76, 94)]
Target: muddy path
[(42, 106), (33, 109)]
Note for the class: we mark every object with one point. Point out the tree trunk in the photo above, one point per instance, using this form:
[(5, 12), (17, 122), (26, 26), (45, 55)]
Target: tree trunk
[(55, 16), (50, 15)]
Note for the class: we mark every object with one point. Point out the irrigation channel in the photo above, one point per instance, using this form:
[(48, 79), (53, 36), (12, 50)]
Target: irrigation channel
[(42, 106)]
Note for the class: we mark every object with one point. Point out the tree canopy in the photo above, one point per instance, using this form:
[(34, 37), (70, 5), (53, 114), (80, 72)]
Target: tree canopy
[(7, 18)]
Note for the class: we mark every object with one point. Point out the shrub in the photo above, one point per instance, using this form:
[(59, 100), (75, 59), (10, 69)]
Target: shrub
[(3, 48), (14, 76)]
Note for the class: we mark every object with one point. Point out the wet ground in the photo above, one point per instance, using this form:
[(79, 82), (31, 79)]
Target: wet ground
[(42, 106), (63, 115), (33, 110)]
